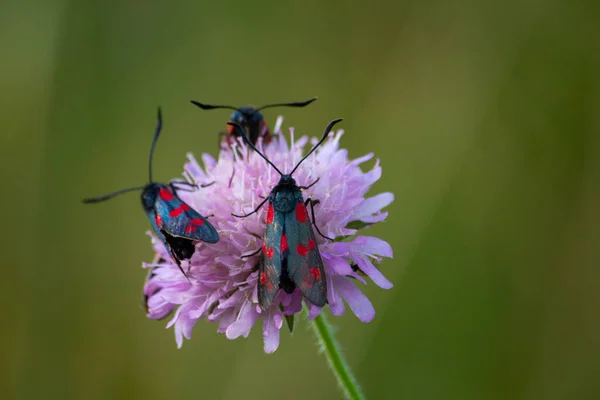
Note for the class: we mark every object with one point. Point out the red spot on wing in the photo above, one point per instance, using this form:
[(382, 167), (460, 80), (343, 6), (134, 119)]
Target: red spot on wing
[(284, 244), (230, 129), (307, 282), (270, 214), (165, 194), (311, 244), (264, 247), (158, 220), (301, 214), (270, 252), (185, 207), (316, 273), (190, 228), (302, 250), (269, 285), (176, 212), (262, 277), (197, 221)]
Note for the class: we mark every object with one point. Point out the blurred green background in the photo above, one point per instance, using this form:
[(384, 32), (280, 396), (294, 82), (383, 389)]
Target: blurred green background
[(485, 116)]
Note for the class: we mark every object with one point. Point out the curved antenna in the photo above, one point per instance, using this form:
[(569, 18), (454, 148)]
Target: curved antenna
[(293, 104), (210, 106), (154, 140), (325, 134), (245, 137), (111, 195)]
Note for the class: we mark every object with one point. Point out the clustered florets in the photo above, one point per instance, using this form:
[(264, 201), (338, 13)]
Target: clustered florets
[(221, 285)]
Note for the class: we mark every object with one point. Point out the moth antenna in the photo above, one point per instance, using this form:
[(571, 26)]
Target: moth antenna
[(210, 106), (154, 140), (111, 195), (325, 134), (292, 104), (245, 137)]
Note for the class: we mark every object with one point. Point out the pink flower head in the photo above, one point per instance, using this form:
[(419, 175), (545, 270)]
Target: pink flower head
[(222, 285)]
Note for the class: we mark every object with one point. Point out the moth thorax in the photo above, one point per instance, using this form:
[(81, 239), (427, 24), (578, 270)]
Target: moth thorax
[(149, 195), (286, 180), (285, 200)]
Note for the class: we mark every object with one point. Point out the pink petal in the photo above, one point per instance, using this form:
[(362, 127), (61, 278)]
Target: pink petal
[(337, 264), (340, 249), (357, 301), (178, 335), (340, 266), (373, 219), (336, 305), (372, 245), (271, 324), (192, 166), (313, 311), (227, 319), (158, 308), (373, 205), (232, 301), (360, 160), (292, 303), (208, 160), (372, 176), (183, 328), (376, 276), (244, 322)]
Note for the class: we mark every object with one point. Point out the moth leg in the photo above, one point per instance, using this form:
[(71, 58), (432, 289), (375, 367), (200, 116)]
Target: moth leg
[(184, 183), (253, 212), (251, 254), (184, 190), (309, 186), (313, 203), (191, 185)]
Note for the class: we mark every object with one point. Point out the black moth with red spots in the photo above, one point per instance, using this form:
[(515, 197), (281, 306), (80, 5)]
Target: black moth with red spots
[(289, 256), (250, 118), (177, 225)]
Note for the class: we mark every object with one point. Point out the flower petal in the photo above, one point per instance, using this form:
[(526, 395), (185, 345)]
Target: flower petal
[(158, 308), (244, 322), (272, 322), (357, 301), (336, 305), (313, 311), (372, 245), (340, 266), (376, 276)]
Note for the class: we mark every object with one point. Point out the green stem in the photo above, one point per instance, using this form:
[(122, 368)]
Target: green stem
[(337, 363)]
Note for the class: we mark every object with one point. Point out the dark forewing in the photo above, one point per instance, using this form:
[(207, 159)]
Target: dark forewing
[(177, 253), (179, 219), (304, 264), (269, 266), (155, 227)]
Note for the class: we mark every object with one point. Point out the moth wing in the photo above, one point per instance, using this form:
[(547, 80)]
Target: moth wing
[(177, 253), (269, 266), (179, 219), (304, 263)]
